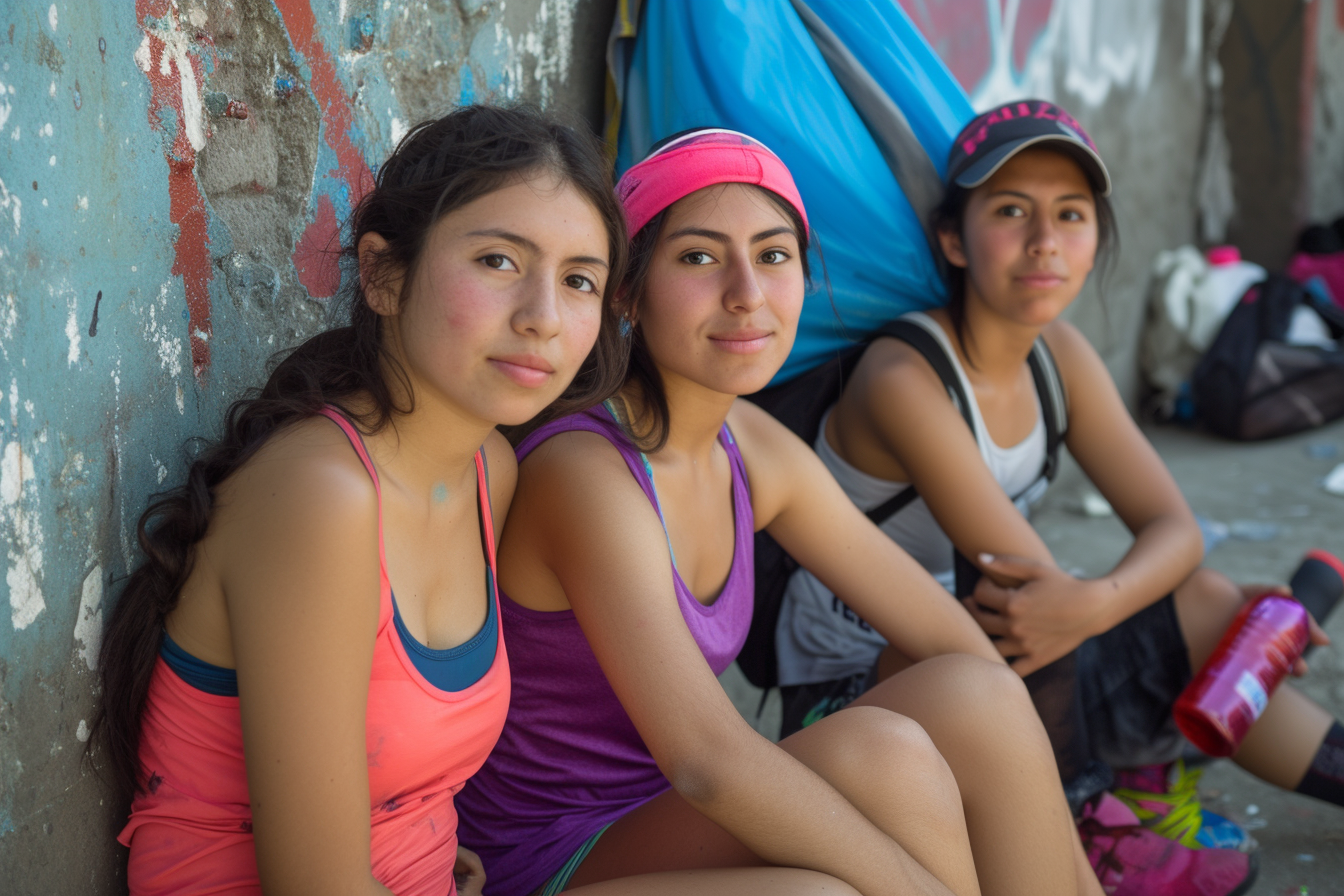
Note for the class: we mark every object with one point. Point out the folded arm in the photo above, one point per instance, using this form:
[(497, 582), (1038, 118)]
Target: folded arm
[(583, 516)]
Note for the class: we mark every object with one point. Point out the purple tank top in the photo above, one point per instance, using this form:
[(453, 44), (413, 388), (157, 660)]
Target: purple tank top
[(570, 761)]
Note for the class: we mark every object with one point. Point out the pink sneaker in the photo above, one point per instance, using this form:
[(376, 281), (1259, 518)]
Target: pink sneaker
[(1166, 800), (1131, 860)]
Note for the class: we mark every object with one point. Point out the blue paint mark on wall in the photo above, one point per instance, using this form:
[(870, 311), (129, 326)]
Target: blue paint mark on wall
[(99, 105)]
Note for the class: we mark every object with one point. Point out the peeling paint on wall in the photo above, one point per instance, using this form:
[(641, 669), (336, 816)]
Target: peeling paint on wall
[(172, 61), (173, 174), (10, 202), (23, 530), (88, 632)]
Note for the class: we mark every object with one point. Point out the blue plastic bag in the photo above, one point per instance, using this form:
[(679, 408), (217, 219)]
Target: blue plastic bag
[(754, 66)]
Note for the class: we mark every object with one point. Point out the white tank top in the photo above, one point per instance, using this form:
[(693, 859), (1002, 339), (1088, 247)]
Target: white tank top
[(818, 638)]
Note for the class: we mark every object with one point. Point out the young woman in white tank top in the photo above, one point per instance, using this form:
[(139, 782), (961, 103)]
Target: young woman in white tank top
[(1020, 227), (818, 637)]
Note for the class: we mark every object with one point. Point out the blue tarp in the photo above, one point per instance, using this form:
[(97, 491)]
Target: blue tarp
[(754, 66)]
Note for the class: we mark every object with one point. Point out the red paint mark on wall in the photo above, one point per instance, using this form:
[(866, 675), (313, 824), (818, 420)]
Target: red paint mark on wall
[(315, 257), (169, 116), (1032, 16), (192, 262), (959, 32), (337, 121)]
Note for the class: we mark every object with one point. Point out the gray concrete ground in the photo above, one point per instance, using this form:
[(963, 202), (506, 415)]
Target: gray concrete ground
[(1270, 495)]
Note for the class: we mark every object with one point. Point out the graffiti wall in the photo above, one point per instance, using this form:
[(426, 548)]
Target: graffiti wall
[(1003, 49), (171, 177)]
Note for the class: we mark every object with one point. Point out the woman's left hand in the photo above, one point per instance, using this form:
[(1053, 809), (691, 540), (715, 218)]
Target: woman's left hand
[(469, 872), (1044, 617)]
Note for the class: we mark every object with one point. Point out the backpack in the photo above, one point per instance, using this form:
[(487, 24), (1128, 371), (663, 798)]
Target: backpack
[(1252, 384), (800, 404)]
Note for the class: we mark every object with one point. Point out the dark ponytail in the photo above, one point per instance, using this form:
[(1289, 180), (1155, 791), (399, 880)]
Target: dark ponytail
[(438, 167)]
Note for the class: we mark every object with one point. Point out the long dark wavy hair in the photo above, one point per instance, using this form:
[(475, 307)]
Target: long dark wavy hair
[(950, 217), (439, 166), (650, 431)]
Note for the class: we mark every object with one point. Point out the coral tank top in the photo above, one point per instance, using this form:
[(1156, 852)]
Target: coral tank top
[(190, 830)]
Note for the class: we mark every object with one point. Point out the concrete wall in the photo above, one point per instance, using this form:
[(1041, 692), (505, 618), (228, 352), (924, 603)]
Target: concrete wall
[(171, 175), (1322, 196)]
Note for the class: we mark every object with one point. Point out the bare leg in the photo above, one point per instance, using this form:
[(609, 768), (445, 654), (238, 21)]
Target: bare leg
[(722, 882), (883, 763), (982, 721), (1280, 746)]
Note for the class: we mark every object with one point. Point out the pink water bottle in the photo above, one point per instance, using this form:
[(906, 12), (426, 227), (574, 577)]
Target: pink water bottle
[(1219, 706)]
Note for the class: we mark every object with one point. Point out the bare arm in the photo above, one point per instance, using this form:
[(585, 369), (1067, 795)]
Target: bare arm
[(585, 519), (1038, 612), (800, 504), (298, 563), (1126, 469)]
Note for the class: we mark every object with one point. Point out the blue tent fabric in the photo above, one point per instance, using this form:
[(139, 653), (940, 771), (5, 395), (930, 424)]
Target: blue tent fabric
[(752, 65)]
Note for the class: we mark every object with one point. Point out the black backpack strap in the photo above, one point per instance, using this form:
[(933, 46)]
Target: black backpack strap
[(1054, 408), (922, 341), (892, 506), (1054, 403)]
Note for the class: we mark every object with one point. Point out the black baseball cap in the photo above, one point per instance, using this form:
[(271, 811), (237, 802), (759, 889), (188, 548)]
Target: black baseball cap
[(994, 137)]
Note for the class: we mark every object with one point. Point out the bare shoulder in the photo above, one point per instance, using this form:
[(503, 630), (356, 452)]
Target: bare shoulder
[(576, 499), (1072, 350), (765, 443), (1080, 366), (305, 486), (574, 476), (893, 370), (776, 460), (573, 453)]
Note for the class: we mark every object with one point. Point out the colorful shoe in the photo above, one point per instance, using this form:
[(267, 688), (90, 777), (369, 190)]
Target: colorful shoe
[(1131, 860), (1166, 800)]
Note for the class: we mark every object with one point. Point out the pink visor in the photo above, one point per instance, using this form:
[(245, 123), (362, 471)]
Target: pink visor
[(697, 160)]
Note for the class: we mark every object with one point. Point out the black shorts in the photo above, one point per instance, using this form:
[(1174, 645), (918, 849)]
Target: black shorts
[(1129, 679)]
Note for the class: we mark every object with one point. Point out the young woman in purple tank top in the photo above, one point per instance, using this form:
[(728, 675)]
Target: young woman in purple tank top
[(627, 565)]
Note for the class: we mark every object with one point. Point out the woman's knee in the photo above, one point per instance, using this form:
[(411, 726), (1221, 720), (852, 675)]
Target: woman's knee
[(970, 684), (977, 709), (870, 741)]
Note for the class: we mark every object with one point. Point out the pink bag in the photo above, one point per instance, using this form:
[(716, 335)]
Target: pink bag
[(1327, 268)]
